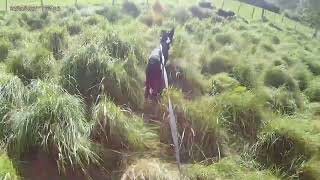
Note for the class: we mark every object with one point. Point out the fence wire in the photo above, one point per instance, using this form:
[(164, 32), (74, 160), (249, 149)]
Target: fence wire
[(255, 13), (242, 9)]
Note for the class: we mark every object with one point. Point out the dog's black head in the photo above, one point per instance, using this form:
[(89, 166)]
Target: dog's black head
[(167, 38)]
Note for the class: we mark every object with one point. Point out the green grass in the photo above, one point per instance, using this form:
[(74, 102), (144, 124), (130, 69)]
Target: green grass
[(121, 130), (288, 142), (228, 168), (236, 83), (199, 122), (42, 123), (151, 169), (7, 170)]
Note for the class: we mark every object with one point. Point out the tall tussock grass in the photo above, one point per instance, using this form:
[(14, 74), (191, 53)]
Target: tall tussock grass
[(198, 125), (310, 170), (286, 143), (91, 70), (119, 129), (242, 113), (282, 101), (302, 75), (182, 15), (32, 21), (12, 34), (245, 74), (13, 94), (4, 49), (130, 8), (54, 122), (74, 28), (199, 12), (152, 19), (75, 98), (277, 77), (222, 82), (34, 62), (55, 39), (314, 66), (313, 90), (218, 64)]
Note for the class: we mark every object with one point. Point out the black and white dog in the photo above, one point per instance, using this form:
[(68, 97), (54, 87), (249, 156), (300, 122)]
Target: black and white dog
[(155, 72)]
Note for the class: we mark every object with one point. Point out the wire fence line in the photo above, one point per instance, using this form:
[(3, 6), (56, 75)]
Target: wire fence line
[(251, 12), (244, 10)]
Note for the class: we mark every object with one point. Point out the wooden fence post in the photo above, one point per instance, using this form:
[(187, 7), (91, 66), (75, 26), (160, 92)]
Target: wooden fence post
[(262, 15), (76, 2), (113, 2), (42, 8), (239, 7), (222, 4), (315, 32), (254, 9), (6, 5)]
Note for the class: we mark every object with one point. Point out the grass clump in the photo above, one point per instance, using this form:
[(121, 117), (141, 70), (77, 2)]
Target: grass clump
[(35, 62), (242, 113), (250, 37), (74, 29), (199, 12), (92, 20), (152, 19), (313, 91), (130, 8), (285, 143), (314, 66), (268, 47), (116, 47), (55, 40), (7, 170), (151, 169), (197, 122), (245, 74), (120, 129), (224, 39), (113, 14), (13, 35), (33, 21), (12, 94), (283, 101), (90, 70), (277, 77), (302, 75), (4, 49), (55, 123), (228, 168), (223, 82), (275, 40), (310, 170), (218, 64), (157, 7), (182, 15)]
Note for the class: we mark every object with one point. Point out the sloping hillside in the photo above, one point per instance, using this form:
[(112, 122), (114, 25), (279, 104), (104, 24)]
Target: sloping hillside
[(246, 95)]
